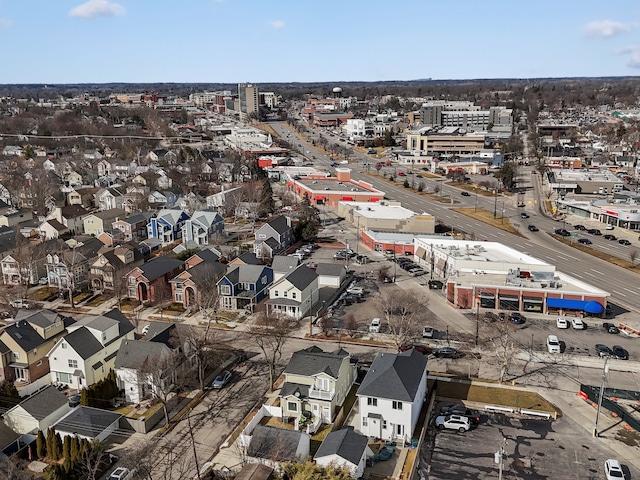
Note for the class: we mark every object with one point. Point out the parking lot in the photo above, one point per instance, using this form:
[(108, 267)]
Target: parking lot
[(535, 449)]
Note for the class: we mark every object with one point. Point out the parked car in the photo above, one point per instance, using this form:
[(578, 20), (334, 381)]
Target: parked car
[(517, 318), (562, 322), (43, 281), (459, 409), (610, 328), (585, 241), (524, 215), (375, 325), (222, 379), (122, 473), (613, 470), (533, 228), (578, 324), (145, 329), (417, 347), (416, 272), (624, 241), (465, 193), (553, 344), (608, 236), (620, 353), (453, 422), (603, 350), (427, 332), (562, 232), (435, 285), (74, 400), (401, 174), (446, 352), (353, 290), (21, 303), (579, 227), (609, 227), (594, 231)]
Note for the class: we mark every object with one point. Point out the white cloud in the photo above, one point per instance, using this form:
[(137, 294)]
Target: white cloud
[(5, 22), (627, 50), (607, 29), (277, 24), (97, 8), (634, 61)]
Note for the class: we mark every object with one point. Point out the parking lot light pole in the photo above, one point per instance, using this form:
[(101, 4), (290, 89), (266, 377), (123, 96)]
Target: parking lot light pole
[(605, 370), (495, 202)]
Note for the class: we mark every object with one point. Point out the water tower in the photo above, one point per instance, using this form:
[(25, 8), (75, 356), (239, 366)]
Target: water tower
[(337, 92)]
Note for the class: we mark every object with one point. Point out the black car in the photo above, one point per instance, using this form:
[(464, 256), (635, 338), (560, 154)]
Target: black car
[(465, 194), (603, 350), (624, 241), (608, 236), (579, 227), (610, 328), (517, 318), (562, 232), (446, 352), (533, 228), (524, 215), (459, 409), (594, 231), (436, 285), (585, 241), (620, 353)]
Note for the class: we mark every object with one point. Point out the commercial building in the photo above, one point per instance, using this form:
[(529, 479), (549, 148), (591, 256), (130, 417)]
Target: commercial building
[(444, 141), (463, 114), (248, 99), (583, 181), (323, 190), (492, 276), (385, 215), (624, 215)]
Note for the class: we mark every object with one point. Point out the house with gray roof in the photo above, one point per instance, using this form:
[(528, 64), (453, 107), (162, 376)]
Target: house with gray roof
[(9, 440), (344, 448), (88, 422), (274, 237), (282, 265), (167, 225), (272, 446), (134, 227), (331, 274), (202, 225), (392, 394), (86, 354), (194, 285), (244, 286), (150, 280), (295, 294), (316, 382), (37, 412)]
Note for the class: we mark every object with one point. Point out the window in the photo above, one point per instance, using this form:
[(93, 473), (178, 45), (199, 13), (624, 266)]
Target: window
[(286, 294), (292, 406), (64, 377), (225, 289), (372, 402), (384, 424), (16, 355), (178, 296), (396, 405), (293, 295), (264, 279), (132, 292), (73, 363), (364, 421), (132, 280), (39, 363), (275, 293)]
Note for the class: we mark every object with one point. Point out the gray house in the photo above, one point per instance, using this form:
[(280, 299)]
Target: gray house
[(344, 448), (38, 412), (273, 237)]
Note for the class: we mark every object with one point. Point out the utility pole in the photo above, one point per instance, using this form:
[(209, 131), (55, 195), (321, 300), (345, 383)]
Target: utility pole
[(499, 457), (477, 318), (495, 202), (605, 370)]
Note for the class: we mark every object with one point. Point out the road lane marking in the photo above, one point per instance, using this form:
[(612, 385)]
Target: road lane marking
[(630, 291), (596, 271), (618, 293)]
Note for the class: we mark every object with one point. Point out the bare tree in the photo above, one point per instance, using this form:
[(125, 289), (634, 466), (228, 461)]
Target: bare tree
[(350, 324), (270, 333), (383, 272), (90, 459), (198, 344), (12, 468), (633, 255), (499, 336), (405, 313), (162, 296)]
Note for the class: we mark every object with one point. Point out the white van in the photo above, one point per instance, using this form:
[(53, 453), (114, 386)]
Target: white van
[(553, 344), (375, 326)]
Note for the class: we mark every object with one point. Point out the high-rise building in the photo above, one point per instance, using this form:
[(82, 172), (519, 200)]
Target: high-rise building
[(248, 98)]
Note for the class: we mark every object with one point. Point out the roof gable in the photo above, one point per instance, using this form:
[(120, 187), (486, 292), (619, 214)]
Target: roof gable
[(43, 403), (313, 360), (394, 376)]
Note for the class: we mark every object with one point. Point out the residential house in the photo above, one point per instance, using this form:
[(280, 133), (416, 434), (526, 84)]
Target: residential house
[(123, 169), (283, 265), (25, 263), (344, 448), (136, 198), (52, 229), (167, 226), (331, 274), (37, 412), (295, 294), (108, 198), (392, 394), (72, 179), (246, 258), (71, 216), (84, 196), (110, 238), (69, 267), (134, 227), (194, 286), (150, 281), (273, 237), (192, 202), (255, 471), (202, 225), (15, 217), (221, 200), (244, 286), (92, 155), (103, 168), (6, 371), (163, 155), (29, 339), (98, 222), (86, 354), (317, 382), (157, 199), (9, 440), (89, 423), (111, 265), (272, 446)]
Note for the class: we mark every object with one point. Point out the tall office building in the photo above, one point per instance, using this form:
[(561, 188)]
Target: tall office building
[(248, 98)]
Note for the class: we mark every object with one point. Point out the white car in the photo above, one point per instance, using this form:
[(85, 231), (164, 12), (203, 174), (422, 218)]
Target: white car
[(577, 324), (122, 473), (145, 329), (427, 332), (613, 470), (562, 322), (375, 326), (355, 290), (453, 422)]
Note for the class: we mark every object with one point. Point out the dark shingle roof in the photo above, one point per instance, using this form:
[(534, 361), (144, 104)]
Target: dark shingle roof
[(394, 376), (302, 277), (280, 224), (207, 255), (249, 258), (284, 264), (159, 266), (83, 342), (345, 443), (43, 403), (330, 269), (125, 324), (7, 436), (313, 360), (296, 389), (134, 353), (87, 421), (24, 335), (274, 443)]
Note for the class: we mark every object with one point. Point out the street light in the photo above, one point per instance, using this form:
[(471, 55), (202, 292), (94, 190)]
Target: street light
[(495, 202), (605, 370)]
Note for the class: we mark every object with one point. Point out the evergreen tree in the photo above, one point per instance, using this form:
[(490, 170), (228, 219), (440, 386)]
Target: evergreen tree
[(51, 439), (75, 449), (84, 397), (66, 448), (58, 446), (267, 204), (41, 445)]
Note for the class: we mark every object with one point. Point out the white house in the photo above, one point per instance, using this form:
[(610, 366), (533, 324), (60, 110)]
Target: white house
[(38, 412), (87, 353), (201, 226), (294, 294), (391, 395), (344, 448), (331, 274)]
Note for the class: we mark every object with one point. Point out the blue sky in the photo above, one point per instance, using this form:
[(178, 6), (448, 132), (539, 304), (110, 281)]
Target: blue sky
[(76, 41)]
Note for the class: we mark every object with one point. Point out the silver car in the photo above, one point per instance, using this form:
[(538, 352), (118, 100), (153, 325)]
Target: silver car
[(222, 379)]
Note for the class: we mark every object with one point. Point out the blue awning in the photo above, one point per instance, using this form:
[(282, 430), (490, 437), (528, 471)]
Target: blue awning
[(590, 306)]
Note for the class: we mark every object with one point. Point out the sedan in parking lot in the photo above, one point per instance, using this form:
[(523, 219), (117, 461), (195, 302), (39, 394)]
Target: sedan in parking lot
[(446, 352), (620, 353), (578, 324), (585, 241), (517, 318), (624, 241), (613, 470), (603, 350), (533, 228), (453, 422), (610, 328)]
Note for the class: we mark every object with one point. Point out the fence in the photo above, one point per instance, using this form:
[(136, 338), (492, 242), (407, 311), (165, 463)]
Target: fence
[(34, 386), (593, 394)]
